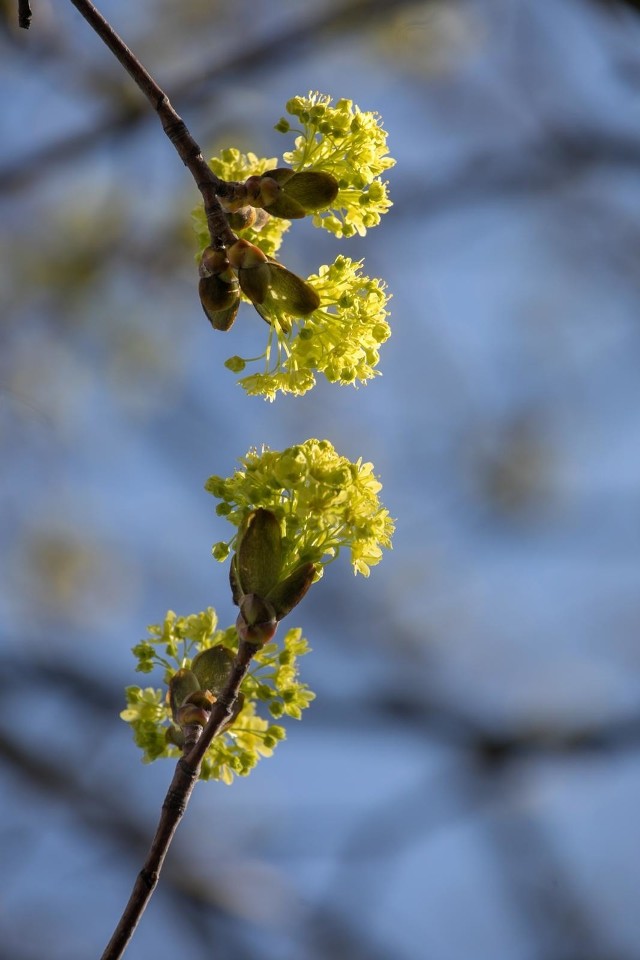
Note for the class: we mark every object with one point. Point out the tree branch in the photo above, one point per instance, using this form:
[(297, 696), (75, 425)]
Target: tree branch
[(24, 14), (290, 42), (175, 804), (210, 186)]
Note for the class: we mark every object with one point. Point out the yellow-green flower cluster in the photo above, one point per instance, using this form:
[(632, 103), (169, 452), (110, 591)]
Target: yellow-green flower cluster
[(271, 685), (342, 336), (340, 339), (232, 165), (323, 501), (351, 145)]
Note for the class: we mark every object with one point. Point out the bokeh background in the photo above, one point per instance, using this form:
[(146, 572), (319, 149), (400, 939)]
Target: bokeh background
[(467, 784)]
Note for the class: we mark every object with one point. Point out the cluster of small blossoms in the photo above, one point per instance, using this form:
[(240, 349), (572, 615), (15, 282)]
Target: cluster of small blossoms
[(270, 686), (340, 339), (334, 322), (323, 503), (351, 145)]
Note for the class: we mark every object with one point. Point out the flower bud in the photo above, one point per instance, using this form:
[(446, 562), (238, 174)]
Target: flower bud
[(252, 189), (220, 300), (243, 255), (213, 261), (270, 190), (189, 713), (236, 364), (218, 289), (242, 218)]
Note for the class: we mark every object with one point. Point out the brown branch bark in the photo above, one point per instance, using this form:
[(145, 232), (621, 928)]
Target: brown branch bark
[(210, 186), (24, 14)]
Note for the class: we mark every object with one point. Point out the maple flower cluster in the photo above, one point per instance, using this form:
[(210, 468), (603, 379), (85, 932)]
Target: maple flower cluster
[(323, 502), (293, 511), (334, 322), (271, 687), (351, 145)]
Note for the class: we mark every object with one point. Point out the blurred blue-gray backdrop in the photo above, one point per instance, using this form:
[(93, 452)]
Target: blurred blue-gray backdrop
[(467, 784)]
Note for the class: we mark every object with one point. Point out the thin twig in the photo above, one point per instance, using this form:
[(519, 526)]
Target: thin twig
[(286, 44), (24, 14), (210, 186), (174, 806)]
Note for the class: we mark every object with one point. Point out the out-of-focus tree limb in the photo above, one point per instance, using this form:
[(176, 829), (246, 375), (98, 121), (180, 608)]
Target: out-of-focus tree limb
[(539, 165), (191, 91)]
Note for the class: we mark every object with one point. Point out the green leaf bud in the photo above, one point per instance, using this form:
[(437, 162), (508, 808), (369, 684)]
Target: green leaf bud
[(286, 207), (213, 262), (212, 668), (234, 581), (289, 592), (256, 623), (218, 289), (313, 189), (254, 282), (255, 611), (281, 175), (243, 255), (259, 553), (220, 301), (243, 218), (182, 683), (292, 195), (270, 190), (252, 189)]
